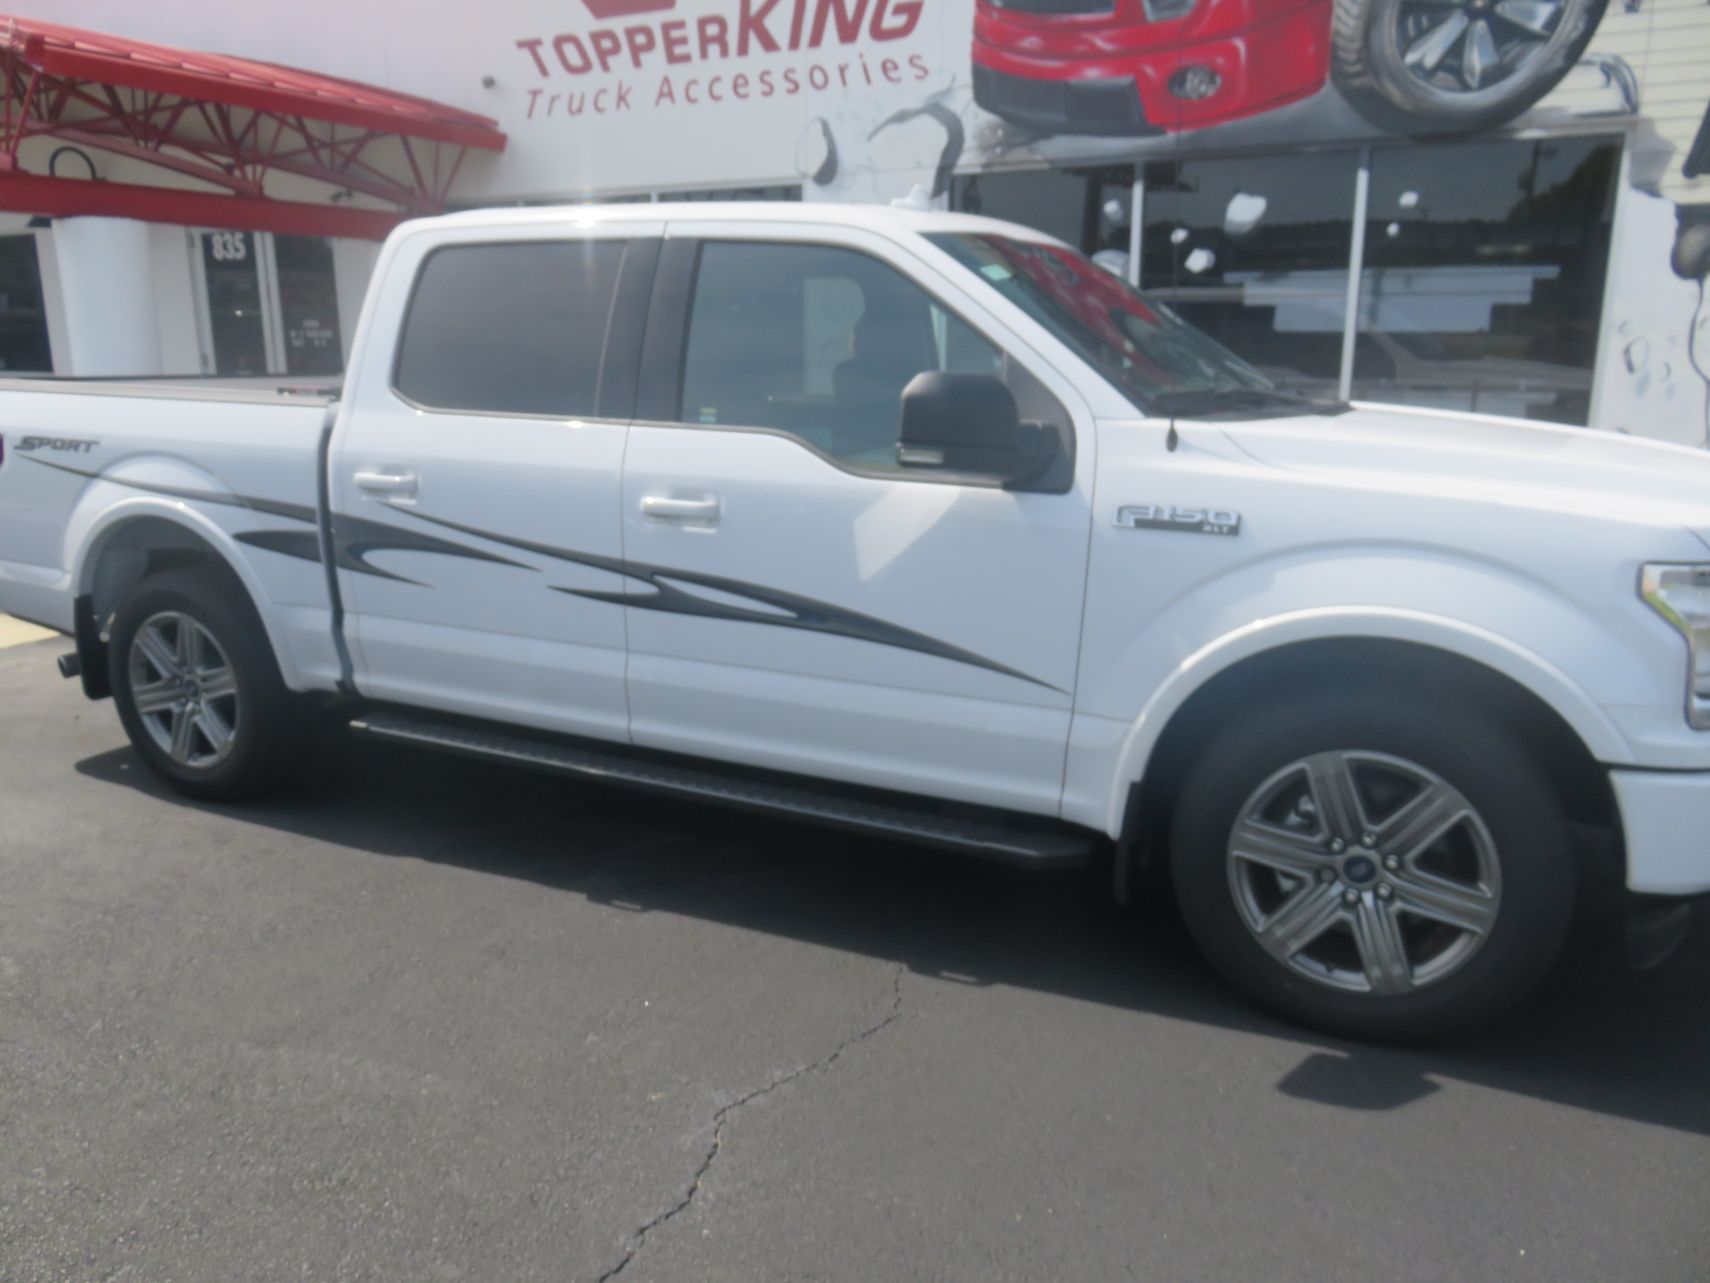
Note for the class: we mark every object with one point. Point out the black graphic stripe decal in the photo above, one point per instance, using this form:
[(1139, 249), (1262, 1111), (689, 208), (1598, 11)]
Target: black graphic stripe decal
[(788, 609), (354, 537), (267, 507), (357, 538), (305, 545)]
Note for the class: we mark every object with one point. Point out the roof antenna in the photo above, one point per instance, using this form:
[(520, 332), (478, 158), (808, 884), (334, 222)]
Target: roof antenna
[(917, 198), (1172, 439)]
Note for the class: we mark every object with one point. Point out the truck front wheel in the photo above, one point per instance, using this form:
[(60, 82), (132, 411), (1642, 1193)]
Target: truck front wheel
[(197, 686), (1378, 866)]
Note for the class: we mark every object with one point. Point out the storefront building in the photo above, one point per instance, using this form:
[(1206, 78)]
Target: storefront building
[(1498, 206)]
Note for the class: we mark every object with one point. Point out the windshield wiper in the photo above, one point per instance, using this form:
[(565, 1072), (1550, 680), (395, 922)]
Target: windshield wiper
[(1196, 401)]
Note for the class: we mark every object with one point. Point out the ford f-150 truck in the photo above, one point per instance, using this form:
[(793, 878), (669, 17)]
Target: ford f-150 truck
[(920, 524)]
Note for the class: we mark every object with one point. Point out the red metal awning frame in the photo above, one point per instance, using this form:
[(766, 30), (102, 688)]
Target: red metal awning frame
[(226, 122)]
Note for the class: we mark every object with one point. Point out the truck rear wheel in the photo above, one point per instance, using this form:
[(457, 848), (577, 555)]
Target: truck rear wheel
[(1383, 866), (197, 686)]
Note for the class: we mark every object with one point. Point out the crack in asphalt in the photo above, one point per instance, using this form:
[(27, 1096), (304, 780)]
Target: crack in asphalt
[(638, 1237)]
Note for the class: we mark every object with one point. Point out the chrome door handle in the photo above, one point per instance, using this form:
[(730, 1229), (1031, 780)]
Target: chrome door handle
[(386, 482), (663, 508)]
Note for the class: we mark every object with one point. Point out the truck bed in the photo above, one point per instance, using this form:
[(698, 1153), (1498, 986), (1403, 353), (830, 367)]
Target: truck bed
[(223, 457)]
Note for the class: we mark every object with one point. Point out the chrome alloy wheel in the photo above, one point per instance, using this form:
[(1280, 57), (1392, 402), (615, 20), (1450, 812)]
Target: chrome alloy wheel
[(184, 690), (1364, 872), (1461, 46)]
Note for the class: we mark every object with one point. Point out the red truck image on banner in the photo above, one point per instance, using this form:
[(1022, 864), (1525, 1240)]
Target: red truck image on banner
[(1137, 67)]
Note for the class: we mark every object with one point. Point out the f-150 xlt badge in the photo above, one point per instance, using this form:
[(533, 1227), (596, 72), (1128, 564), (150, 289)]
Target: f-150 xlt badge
[(1191, 521), (75, 445)]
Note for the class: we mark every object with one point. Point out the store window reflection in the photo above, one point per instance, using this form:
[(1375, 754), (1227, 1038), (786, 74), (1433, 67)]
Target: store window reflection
[(1088, 208), (1483, 280), (1254, 251)]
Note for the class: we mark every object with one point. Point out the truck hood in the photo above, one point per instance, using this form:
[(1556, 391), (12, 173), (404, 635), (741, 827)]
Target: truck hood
[(1508, 461)]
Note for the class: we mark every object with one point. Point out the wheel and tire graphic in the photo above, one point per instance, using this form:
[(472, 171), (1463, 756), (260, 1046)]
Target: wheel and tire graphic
[(1379, 868), (197, 687), (1450, 66)]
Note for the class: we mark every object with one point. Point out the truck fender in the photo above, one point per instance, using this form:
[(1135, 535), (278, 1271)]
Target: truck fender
[(93, 526), (1577, 709)]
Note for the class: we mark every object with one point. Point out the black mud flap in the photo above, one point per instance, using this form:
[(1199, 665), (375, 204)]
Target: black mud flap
[(91, 650)]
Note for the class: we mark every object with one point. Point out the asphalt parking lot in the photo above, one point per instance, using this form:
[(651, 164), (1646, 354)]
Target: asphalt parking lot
[(425, 1019)]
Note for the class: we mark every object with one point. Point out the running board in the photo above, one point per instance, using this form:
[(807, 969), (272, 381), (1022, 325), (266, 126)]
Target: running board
[(992, 835)]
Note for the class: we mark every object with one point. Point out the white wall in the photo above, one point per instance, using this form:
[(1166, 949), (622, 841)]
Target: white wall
[(174, 299), (353, 264), (1649, 382), (106, 284)]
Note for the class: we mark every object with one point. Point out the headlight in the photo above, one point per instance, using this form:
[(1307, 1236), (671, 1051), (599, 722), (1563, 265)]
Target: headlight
[(1681, 595)]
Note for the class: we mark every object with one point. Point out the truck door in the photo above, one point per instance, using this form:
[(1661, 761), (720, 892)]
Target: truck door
[(799, 600), (486, 433)]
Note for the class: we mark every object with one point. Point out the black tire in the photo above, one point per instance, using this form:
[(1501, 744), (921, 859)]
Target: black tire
[(265, 722), (1367, 45), (1524, 833)]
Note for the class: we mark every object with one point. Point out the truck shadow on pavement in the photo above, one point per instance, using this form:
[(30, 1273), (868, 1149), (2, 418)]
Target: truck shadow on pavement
[(1596, 1037)]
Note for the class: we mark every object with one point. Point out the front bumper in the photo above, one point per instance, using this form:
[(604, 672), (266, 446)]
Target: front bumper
[(1665, 820), (1104, 106)]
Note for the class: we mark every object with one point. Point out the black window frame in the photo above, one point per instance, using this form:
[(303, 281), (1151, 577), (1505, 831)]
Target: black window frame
[(616, 375), (665, 353)]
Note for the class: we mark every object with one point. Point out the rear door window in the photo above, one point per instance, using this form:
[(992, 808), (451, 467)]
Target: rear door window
[(514, 328)]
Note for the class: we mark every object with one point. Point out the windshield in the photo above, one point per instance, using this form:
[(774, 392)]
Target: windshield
[(1156, 359)]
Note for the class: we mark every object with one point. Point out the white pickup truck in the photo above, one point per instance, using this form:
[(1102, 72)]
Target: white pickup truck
[(920, 524)]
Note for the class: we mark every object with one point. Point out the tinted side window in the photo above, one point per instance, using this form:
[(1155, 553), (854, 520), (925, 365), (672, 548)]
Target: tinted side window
[(510, 329), (819, 342)]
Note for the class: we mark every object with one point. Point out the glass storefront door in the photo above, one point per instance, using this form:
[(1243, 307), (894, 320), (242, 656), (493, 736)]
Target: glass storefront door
[(232, 294), (267, 305), (308, 305)]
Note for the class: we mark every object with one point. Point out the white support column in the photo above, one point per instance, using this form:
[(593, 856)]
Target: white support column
[(1356, 268), (272, 318), (1136, 224), (106, 289)]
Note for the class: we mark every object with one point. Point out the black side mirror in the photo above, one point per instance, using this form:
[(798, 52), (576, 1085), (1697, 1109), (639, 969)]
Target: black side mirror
[(968, 423)]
